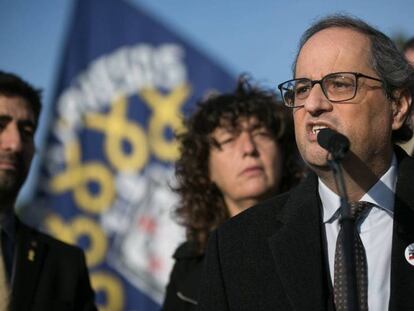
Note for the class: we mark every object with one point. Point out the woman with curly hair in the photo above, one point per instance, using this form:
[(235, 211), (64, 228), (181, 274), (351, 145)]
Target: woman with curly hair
[(237, 150)]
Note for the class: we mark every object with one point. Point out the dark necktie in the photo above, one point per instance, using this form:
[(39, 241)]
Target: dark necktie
[(358, 209)]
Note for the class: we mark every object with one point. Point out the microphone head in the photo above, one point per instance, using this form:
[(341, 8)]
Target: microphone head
[(334, 142)]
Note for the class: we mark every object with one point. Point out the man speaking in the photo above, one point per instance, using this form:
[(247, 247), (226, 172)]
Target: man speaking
[(287, 253)]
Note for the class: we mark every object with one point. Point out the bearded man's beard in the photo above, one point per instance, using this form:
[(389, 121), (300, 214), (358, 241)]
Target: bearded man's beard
[(11, 180)]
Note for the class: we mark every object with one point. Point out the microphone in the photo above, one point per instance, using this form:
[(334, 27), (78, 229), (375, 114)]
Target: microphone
[(336, 143)]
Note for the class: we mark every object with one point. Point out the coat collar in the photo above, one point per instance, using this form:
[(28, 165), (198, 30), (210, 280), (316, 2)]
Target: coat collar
[(28, 261), (298, 251)]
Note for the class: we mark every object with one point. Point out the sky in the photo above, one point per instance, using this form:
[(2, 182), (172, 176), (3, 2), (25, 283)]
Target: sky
[(258, 37)]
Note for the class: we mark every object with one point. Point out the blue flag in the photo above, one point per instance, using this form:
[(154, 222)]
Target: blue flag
[(107, 167)]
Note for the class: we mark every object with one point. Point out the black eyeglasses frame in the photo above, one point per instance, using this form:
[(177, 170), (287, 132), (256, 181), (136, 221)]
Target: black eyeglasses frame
[(320, 82)]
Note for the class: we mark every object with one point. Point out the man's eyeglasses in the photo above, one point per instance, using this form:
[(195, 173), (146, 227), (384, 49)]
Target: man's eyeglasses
[(337, 87)]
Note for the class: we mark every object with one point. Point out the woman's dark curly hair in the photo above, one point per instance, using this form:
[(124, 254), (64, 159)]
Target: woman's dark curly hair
[(201, 207)]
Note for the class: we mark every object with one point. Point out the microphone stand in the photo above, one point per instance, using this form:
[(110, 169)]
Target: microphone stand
[(348, 225)]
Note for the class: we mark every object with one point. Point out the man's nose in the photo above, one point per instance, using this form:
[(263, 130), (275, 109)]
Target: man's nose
[(10, 138), (317, 103)]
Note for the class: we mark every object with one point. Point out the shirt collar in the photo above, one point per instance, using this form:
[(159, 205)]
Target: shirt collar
[(381, 194)]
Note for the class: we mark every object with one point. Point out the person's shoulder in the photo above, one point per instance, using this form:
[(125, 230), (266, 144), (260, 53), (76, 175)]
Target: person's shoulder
[(187, 250), (265, 216), (256, 220), (405, 161), (53, 244), (266, 209)]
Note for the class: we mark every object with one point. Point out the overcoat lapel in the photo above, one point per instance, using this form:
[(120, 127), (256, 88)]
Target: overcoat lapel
[(28, 261), (297, 249), (402, 272)]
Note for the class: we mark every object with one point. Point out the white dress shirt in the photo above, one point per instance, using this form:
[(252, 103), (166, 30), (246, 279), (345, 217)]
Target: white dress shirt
[(375, 232)]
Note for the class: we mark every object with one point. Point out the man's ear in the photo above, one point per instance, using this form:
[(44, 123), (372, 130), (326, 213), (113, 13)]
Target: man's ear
[(401, 107)]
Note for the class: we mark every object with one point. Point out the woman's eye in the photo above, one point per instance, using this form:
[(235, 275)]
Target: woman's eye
[(262, 133), (226, 140)]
